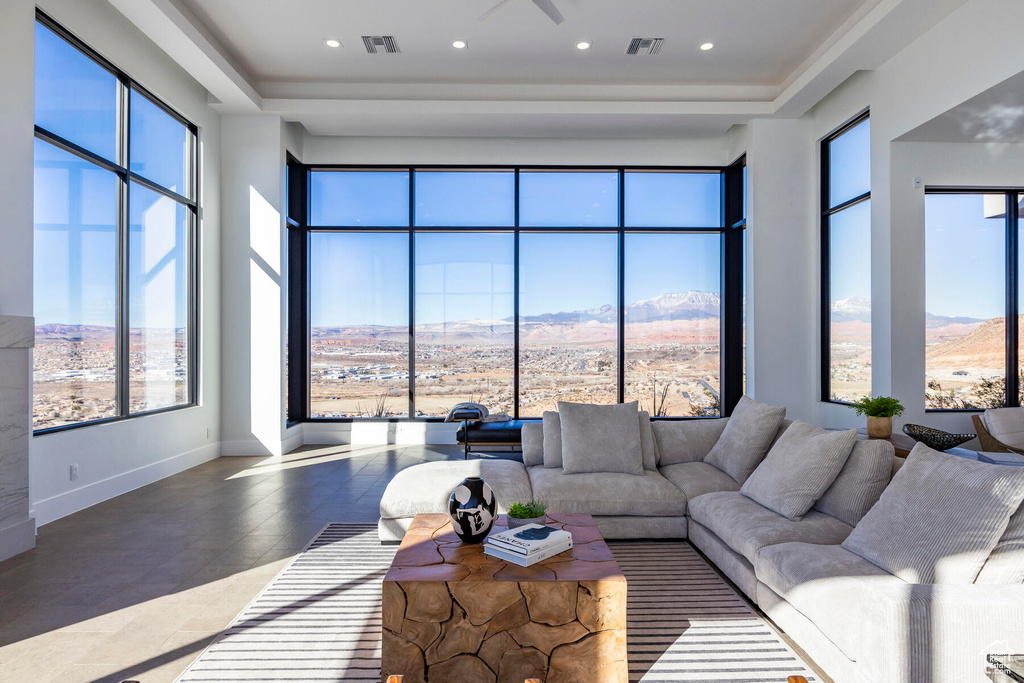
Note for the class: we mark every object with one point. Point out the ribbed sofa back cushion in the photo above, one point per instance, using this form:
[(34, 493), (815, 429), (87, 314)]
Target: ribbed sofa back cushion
[(939, 518), (648, 444), (746, 438), (1006, 563), (533, 443), (552, 439), (865, 475), (686, 440)]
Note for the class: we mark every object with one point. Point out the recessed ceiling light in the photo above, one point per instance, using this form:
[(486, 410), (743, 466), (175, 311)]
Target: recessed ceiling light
[(706, 46), (459, 44), (583, 45), (331, 42)]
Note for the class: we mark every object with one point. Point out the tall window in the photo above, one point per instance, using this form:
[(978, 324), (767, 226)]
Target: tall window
[(115, 235), (846, 262), (971, 354), (515, 288)]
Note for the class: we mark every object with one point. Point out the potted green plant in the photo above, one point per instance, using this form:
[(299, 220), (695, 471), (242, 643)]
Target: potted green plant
[(525, 513), (880, 410)]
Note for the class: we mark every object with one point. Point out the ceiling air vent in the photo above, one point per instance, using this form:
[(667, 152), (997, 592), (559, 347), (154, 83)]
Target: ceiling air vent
[(644, 46), (375, 44)]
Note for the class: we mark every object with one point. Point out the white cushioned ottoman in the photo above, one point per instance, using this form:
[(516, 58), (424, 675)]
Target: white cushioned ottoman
[(426, 488)]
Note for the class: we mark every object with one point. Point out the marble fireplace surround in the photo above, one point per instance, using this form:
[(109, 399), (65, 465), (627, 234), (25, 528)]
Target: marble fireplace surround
[(17, 527)]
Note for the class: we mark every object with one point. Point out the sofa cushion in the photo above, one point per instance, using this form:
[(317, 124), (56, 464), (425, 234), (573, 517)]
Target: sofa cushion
[(648, 444), (533, 443), (799, 468), (687, 440), (697, 478), (427, 486), (1006, 563), (1006, 425), (824, 583), (863, 478), (600, 438), (746, 438), (552, 439), (939, 518), (606, 493), (746, 526)]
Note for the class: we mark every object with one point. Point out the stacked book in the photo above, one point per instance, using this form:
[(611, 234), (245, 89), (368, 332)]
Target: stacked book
[(528, 544)]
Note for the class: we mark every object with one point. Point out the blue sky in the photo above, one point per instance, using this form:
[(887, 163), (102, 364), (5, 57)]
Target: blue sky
[(362, 278), (76, 202), (965, 272)]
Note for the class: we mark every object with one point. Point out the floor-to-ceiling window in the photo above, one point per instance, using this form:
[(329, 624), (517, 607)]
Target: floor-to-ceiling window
[(115, 234), (515, 288), (972, 276), (846, 262)]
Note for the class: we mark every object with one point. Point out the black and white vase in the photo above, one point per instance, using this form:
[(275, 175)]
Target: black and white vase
[(471, 507)]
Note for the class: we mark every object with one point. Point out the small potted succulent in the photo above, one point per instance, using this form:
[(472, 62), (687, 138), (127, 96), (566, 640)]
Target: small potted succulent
[(525, 513), (880, 411)]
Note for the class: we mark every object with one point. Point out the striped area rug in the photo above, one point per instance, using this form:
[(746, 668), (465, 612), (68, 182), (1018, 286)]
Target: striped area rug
[(320, 619), (685, 623)]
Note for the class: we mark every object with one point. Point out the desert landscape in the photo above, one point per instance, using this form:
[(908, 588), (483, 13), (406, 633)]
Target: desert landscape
[(75, 377), (672, 362), (965, 358)]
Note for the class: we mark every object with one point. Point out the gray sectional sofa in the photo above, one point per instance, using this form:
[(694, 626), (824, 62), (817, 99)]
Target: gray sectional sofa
[(859, 621)]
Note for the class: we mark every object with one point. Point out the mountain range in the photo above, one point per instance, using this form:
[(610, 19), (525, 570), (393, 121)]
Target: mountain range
[(859, 309)]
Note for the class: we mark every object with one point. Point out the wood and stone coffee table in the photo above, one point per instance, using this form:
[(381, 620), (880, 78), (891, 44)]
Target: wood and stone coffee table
[(452, 613)]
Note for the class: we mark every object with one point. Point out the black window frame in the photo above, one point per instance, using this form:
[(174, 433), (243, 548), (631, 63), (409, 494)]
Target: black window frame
[(828, 210), (121, 168), (731, 273), (1012, 306)]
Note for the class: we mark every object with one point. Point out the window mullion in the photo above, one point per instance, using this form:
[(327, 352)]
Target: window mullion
[(412, 295), (1012, 302), (123, 256), (622, 289)]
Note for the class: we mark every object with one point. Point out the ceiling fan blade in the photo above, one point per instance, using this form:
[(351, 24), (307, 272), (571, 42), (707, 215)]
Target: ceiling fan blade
[(487, 15), (549, 9)]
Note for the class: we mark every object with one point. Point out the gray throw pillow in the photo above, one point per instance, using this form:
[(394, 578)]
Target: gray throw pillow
[(648, 445), (552, 439), (1006, 563), (746, 438), (799, 468), (864, 476), (687, 440), (939, 518), (600, 438)]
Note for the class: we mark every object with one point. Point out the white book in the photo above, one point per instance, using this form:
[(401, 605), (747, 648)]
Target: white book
[(523, 560), (530, 538)]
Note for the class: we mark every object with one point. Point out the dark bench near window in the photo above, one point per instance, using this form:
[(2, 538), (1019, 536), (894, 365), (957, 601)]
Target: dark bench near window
[(491, 434)]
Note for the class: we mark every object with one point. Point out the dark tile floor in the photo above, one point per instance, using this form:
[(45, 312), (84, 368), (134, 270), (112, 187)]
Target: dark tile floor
[(136, 587)]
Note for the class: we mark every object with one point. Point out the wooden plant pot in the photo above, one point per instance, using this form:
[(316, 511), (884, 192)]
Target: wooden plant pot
[(879, 427)]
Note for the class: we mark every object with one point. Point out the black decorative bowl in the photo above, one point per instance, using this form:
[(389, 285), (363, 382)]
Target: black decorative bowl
[(936, 438)]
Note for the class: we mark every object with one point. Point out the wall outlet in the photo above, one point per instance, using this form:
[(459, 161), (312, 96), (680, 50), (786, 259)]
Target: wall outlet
[(207, 433), (74, 472)]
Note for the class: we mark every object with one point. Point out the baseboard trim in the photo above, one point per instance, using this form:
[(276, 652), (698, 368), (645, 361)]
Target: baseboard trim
[(64, 504), (17, 538)]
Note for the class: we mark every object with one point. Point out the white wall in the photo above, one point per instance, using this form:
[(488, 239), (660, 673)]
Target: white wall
[(780, 243), (17, 528), (938, 71), (117, 457), (966, 165), (255, 284)]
